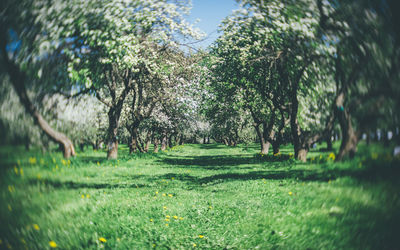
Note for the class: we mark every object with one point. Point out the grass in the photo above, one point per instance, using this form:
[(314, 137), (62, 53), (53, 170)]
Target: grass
[(199, 196)]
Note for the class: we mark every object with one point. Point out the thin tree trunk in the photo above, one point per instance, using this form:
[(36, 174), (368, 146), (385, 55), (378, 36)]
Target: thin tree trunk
[(349, 136), (156, 143), (164, 142)]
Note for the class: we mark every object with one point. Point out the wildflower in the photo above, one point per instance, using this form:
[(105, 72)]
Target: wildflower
[(173, 178), (98, 163), (11, 188), (194, 245), (331, 156), (83, 196), (52, 244), (167, 219), (154, 245), (118, 239), (21, 171), (170, 195), (102, 239), (290, 193), (167, 216), (36, 227), (277, 154), (16, 170), (165, 207), (312, 158), (156, 192), (180, 218), (175, 217), (32, 160), (88, 196), (151, 220), (63, 162), (166, 225), (210, 207), (201, 236), (164, 195), (69, 162)]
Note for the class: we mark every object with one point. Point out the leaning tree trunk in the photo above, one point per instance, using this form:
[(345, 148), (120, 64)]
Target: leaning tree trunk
[(18, 78)]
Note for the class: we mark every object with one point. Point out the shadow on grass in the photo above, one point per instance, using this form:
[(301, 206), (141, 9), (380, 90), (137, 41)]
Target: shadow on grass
[(78, 185)]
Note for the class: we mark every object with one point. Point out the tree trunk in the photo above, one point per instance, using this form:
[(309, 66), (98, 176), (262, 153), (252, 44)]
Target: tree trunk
[(156, 143), (349, 136), (263, 143), (329, 146), (112, 140), (302, 154), (164, 142), (18, 79), (275, 147), (133, 143)]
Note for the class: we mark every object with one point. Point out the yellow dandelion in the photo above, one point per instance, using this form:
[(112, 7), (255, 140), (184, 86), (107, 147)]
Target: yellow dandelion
[(167, 216), (21, 171), (180, 218), (290, 193), (98, 163), (32, 160), (102, 239), (175, 217), (331, 156), (170, 195), (165, 207), (166, 225), (69, 162), (201, 236), (156, 192), (166, 219), (173, 178), (88, 196), (36, 227), (118, 239), (16, 170), (52, 244), (63, 162), (151, 220), (83, 196), (194, 245), (210, 207), (164, 195)]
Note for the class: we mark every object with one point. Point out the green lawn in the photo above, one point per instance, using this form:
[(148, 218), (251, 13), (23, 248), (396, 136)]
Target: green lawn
[(199, 196)]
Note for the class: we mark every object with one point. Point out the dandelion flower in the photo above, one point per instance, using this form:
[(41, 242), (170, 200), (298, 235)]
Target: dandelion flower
[(88, 196), (16, 170), (290, 193), (170, 195), (175, 217), (166, 225), (180, 218), (83, 196), (164, 195), (36, 227), (102, 239), (21, 171), (166, 219), (167, 216), (331, 156), (151, 220), (52, 244), (165, 207), (194, 245), (201, 236)]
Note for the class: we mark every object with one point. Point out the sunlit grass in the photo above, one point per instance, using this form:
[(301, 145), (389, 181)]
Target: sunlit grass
[(199, 196)]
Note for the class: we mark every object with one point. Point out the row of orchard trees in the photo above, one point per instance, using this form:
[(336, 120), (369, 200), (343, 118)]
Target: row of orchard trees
[(300, 66), (126, 54)]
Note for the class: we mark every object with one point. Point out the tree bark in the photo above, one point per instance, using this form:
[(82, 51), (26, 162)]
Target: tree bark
[(263, 143), (18, 79), (349, 136), (156, 143), (164, 142)]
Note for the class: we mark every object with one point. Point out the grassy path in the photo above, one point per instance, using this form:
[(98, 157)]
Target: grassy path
[(197, 196)]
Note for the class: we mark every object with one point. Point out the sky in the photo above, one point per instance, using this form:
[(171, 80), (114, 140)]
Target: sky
[(210, 13)]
